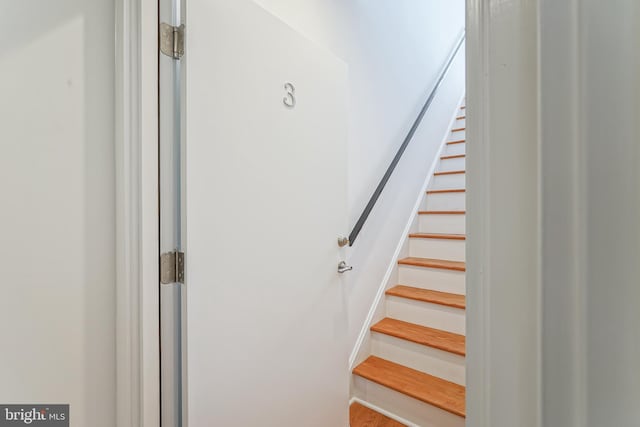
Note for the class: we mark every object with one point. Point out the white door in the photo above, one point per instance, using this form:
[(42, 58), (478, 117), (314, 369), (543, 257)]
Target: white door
[(265, 202)]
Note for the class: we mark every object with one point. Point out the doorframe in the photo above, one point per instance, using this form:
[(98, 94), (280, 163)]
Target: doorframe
[(476, 92), (504, 286), (137, 354), (137, 233)]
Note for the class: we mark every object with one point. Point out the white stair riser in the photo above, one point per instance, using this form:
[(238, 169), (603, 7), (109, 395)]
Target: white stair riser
[(446, 201), (432, 361), (457, 135), (420, 413), (453, 250), (455, 164), (452, 149), (442, 182), (436, 316), (436, 279), (442, 223)]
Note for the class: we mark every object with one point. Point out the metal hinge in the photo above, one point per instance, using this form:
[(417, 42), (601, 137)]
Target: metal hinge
[(172, 40), (172, 267)]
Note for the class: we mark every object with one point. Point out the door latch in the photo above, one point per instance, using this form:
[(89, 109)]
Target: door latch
[(343, 267)]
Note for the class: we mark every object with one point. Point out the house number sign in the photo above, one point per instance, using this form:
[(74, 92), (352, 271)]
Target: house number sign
[(289, 100)]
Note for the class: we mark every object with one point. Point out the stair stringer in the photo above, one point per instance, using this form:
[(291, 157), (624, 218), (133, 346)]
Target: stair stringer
[(363, 348)]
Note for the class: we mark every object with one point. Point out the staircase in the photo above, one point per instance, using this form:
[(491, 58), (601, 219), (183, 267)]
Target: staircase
[(416, 372)]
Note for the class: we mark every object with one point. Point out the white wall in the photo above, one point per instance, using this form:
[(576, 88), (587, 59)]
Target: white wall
[(394, 51), (57, 212)]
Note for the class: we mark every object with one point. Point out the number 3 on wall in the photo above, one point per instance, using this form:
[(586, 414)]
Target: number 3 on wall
[(289, 100)]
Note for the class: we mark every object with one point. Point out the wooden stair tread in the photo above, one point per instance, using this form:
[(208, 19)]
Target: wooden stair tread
[(424, 387), (451, 190), (453, 156), (459, 141), (461, 117), (436, 338), (449, 172), (463, 107), (442, 212), (427, 295), (433, 263), (361, 416), (457, 129), (438, 236)]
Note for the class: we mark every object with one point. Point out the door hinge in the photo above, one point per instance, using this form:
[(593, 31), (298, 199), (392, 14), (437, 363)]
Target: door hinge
[(172, 40), (172, 267)]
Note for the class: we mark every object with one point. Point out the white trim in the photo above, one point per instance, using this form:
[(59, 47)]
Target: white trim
[(384, 284), (137, 346), (478, 349), (564, 251), (383, 412), (503, 214)]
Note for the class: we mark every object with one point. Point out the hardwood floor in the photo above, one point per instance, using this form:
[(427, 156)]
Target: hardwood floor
[(427, 295), (433, 263), (457, 190), (437, 236), (419, 334), (419, 385), (361, 416)]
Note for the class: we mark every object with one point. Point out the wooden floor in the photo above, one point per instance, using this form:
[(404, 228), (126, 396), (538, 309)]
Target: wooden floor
[(361, 416), (419, 385), (433, 263), (419, 334), (427, 295)]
